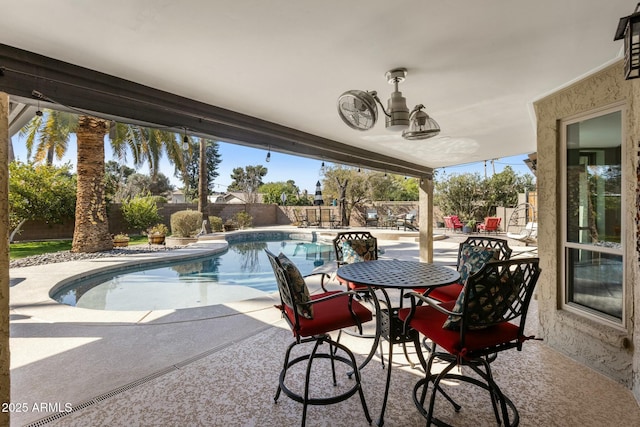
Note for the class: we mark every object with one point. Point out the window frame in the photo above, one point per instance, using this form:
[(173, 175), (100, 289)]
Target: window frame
[(565, 246)]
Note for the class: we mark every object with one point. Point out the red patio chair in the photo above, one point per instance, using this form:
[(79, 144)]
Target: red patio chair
[(452, 223), (490, 224), (487, 318), (473, 253), (311, 318)]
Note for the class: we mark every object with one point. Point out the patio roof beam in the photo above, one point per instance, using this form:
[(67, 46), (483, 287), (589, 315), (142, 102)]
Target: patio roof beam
[(62, 85)]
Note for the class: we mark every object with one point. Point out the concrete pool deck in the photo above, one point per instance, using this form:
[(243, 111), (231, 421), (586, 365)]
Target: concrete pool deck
[(62, 354)]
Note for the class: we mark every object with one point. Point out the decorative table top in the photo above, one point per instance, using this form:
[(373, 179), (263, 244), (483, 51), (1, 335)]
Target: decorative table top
[(398, 274)]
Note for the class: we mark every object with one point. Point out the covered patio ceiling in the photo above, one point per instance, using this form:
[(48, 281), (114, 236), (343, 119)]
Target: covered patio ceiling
[(268, 73)]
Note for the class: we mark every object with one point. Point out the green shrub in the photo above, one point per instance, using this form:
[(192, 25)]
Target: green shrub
[(216, 223), (140, 212), (243, 220), (186, 223)]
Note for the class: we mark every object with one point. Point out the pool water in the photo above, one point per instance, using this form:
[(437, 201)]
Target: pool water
[(242, 272)]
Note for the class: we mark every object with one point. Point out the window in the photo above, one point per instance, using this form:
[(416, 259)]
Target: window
[(592, 205)]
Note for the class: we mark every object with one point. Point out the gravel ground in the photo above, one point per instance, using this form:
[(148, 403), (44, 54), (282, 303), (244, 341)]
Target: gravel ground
[(64, 256)]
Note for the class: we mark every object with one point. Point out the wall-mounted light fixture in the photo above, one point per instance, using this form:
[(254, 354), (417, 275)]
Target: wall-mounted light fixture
[(629, 29)]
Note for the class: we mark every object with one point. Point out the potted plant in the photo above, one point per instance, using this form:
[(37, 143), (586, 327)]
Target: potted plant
[(469, 226), (120, 240), (157, 234), (230, 225)]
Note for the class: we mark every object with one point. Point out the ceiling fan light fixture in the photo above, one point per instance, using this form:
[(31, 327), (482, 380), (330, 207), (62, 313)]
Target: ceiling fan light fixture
[(421, 126), (398, 118), (397, 111), (358, 110)]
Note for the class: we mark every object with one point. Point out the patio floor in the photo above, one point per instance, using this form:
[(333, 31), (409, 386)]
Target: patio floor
[(218, 366)]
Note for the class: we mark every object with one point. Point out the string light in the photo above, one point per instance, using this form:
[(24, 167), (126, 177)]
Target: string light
[(268, 159), (185, 141)]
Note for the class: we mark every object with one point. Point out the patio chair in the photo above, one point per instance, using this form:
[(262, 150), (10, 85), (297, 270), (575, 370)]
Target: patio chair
[(487, 318), (371, 219), (354, 246), (350, 247), (408, 221), (326, 218), (311, 318), (300, 220), (490, 224), (453, 223), (473, 253), (312, 217)]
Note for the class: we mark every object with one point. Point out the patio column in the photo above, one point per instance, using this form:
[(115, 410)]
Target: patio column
[(425, 219), (5, 382)]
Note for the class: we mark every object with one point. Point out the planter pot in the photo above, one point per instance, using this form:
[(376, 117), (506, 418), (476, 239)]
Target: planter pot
[(157, 239), (467, 230), (120, 243), (180, 241)]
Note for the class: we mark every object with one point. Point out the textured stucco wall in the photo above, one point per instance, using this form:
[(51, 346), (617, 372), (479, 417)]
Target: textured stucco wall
[(607, 349)]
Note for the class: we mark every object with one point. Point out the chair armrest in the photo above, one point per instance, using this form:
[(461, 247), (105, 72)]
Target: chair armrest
[(334, 295), (433, 303)]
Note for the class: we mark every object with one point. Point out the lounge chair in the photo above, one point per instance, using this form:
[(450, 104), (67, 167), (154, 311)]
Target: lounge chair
[(408, 221), (528, 234)]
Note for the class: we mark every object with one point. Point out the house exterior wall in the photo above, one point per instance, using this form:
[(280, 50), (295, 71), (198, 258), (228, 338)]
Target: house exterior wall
[(607, 349)]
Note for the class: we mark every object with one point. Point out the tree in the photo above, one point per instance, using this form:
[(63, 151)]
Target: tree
[(247, 180), (115, 178), (40, 192), (460, 195), (138, 184), (51, 130), (472, 198), (191, 177), (272, 192), (348, 186), (91, 233), (145, 144)]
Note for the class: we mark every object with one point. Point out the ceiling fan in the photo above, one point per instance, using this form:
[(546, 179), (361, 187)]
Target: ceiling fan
[(358, 110)]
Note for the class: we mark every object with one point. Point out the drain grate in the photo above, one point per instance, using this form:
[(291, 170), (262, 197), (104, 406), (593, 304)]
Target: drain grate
[(53, 417)]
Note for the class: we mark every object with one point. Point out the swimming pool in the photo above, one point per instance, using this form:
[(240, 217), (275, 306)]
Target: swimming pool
[(242, 272)]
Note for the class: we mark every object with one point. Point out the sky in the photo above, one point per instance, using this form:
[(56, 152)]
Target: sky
[(282, 167)]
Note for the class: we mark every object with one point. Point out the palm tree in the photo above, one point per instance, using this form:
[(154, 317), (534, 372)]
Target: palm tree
[(91, 230), (49, 134), (91, 233)]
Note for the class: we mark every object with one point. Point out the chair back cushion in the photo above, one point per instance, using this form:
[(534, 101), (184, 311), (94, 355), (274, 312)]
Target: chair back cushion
[(472, 259), (359, 250), (488, 301), (296, 294)]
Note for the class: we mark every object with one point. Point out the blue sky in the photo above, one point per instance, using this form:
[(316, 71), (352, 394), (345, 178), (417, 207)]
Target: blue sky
[(305, 172)]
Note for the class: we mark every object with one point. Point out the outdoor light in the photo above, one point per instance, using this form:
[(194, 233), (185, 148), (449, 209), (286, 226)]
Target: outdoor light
[(358, 110), (629, 28), (421, 126), (185, 142), (268, 159)]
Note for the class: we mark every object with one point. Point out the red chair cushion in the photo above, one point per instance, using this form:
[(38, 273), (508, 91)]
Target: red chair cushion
[(444, 293), (329, 315), (428, 321)]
